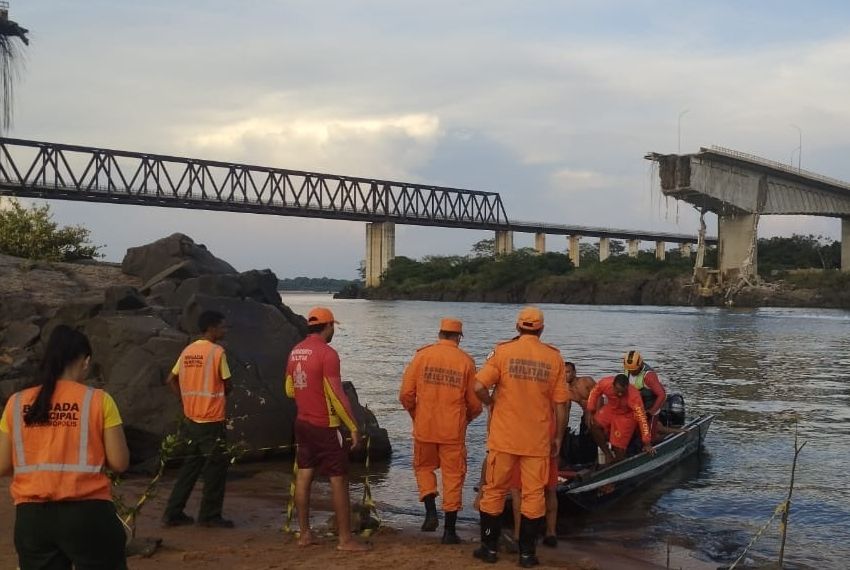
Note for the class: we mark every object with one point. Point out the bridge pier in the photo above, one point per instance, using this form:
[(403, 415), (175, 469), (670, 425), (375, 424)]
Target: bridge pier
[(660, 250), (604, 248), (685, 250), (574, 250), (504, 242), (540, 243), (737, 250), (845, 244), (633, 246), (380, 249)]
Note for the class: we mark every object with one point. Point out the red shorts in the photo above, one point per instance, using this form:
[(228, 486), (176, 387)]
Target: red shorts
[(551, 483), (619, 427), (321, 448)]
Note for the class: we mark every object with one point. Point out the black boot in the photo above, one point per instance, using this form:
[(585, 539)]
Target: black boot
[(491, 529), (449, 534), (528, 531), (431, 521)]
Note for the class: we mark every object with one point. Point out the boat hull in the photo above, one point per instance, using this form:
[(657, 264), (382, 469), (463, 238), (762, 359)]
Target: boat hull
[(611, 483)]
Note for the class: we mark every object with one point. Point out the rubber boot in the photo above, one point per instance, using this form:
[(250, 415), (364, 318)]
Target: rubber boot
[(491, 529), (431, 521), (449, 534), (528, 531)]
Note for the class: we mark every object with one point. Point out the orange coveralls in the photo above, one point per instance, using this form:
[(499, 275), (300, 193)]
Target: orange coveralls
[(438, 390), (531, 378), (619, 416)]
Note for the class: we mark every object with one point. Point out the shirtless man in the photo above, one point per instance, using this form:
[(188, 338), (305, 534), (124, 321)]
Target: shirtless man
[(580, 387)]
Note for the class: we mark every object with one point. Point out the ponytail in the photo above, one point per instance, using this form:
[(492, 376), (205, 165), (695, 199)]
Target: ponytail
[(64, 346)]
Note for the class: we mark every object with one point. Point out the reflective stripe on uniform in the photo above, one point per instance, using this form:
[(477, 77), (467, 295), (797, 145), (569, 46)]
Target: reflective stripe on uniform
[(82, 465)]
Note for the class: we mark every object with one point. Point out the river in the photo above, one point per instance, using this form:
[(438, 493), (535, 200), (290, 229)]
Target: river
[(757, 369)]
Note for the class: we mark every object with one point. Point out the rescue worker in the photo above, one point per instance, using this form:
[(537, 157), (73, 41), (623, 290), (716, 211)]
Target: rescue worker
[(201, 379), (529, 379), (438, 391), (615, 421), (56, 439), (313, 378), (652, 392)]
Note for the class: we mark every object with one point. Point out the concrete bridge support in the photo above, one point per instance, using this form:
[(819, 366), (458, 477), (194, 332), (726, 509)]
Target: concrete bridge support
[(380, 249), (685, 250), (504, 242), (540, 242), (574, 250), (660, 250), (736, 248), (845, 244), (633, 246), (604, 248)]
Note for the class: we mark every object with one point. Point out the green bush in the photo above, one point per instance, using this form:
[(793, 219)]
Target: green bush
[(32, 234)]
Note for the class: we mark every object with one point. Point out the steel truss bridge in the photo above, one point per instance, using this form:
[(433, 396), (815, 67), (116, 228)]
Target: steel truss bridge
[(46, 170)]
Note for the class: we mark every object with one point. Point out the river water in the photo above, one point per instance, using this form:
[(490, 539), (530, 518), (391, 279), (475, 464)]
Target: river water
[(758, 370)]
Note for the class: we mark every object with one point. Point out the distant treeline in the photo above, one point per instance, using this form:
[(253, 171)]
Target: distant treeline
[(523, 272), (319, 284)]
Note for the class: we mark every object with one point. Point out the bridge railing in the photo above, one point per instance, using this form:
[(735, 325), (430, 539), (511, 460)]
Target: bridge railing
[(32, 168)]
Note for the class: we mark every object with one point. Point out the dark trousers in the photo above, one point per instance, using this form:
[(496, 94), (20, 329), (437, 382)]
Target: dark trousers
[(59, 534), (206, 456)]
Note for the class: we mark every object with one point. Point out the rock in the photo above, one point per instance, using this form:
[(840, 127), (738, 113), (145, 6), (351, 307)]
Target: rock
[(213, 285), (149, 260), (20, 334), (123, 298), (178, 272), (162, 292)]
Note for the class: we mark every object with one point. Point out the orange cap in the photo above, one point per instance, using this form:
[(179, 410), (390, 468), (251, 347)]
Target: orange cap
[(451, 325), (320, 316), (530, 319)]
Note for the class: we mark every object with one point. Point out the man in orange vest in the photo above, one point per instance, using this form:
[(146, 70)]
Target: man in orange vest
[(201, 378), (615, 421), (438, 391), (530, 381), (313, 378)]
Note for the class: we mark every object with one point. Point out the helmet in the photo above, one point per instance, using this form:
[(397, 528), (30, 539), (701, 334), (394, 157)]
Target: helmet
[(632, 361)]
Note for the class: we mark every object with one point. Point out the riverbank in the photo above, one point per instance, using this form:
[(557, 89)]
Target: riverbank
[(257, 495), (830, 290)]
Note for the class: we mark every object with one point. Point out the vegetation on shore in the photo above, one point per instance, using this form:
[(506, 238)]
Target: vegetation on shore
[(525, 276), (31, 233), (317, 284)]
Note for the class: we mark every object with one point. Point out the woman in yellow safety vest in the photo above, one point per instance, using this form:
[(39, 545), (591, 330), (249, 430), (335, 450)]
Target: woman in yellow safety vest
[(56, 438)]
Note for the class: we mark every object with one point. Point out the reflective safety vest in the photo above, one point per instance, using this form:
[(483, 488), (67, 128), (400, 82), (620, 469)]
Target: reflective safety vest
[(63, 459), (646, 394), (201, 386)]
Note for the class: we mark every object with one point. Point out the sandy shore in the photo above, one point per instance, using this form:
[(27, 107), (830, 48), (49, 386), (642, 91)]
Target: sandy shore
[(257, 503)]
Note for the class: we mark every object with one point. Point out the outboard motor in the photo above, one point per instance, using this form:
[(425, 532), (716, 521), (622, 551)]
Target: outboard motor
[(672, 414)]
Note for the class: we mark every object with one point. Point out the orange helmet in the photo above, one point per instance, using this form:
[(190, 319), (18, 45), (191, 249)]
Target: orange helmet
[(632, 361)]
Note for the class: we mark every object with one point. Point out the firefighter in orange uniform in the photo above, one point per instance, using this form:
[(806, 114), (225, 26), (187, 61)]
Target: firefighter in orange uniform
[(438, 390), (201, 377), (615, 421), (57, 438), (530, 380)]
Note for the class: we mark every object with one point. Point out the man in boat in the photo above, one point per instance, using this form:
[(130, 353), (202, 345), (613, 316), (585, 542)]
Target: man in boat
[(580, 387), (652, 392), (616, 420), (530, 380), (438, 391)]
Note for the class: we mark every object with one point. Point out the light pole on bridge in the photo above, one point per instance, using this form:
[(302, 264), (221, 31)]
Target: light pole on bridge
[(799, 149)]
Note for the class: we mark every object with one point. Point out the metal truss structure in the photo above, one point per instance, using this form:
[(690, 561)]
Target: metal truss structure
[(69, 172)]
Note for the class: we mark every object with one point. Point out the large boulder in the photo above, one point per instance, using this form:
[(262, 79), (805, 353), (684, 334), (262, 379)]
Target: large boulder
[(149, 260)]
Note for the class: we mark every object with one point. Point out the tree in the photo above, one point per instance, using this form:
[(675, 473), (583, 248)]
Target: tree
[(32, 233), (484, 248), (10, 33)]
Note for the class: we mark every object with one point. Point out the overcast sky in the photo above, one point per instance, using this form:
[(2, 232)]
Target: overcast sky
[(552, 104)]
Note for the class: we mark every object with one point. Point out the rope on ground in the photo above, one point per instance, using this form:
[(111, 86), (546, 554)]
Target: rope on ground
[(779, 510), (369, 509)]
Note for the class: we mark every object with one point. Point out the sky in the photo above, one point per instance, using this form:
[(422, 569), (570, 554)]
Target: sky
[(553, 104)]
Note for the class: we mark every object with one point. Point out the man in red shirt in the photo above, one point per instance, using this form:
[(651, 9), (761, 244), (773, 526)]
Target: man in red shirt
[(616, 420), (313, 379)]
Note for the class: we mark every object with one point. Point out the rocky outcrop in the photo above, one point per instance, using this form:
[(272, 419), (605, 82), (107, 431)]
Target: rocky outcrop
[(140, 316)]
